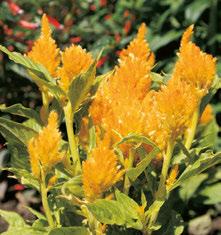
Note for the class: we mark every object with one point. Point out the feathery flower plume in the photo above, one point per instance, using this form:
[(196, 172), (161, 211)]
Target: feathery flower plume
[(193, 65), (45, 50), (100, 172), (207, 115), (172, 109), (44, 149), (131, 81), (139, 47), (75, 61)]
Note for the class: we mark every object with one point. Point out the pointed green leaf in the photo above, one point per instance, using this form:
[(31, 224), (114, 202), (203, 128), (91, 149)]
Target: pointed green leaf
[(108, 212), (20, 110), (205, 161), (81, 86), (18, 226), (15, 132), (38, 72)]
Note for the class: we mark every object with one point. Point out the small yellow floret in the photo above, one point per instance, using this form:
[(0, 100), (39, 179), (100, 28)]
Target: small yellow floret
[(75, 61), (44, 149), (207, 115), (45, 50), (172, 177), (100, 172)]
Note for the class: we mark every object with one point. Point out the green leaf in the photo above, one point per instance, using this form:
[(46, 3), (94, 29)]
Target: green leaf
[(15, 132), (29, 64), (206, 99), (12, 218), (134, 172), (124, 211), (36, 213), (20, 110), (212, 194), (174, 225), (194, 10), (189, 187), (208, 135), (70, 231), (108, 212), (161, 40), (131, 209), (39, 73), (80, 87), (205, 161), (25, 177), (18, 226), (73, 186)]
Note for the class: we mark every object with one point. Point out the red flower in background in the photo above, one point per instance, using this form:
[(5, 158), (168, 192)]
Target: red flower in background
[(18, 187), (117, 37), (28, 25), (93, 7), (127, 26), (107, 17), (55, 23), (102, 61), (75, 39), (103, 3), (14, 8)]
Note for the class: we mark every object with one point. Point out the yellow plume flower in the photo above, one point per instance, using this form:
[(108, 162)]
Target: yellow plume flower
[(75, 61), (207, 115), (44, 149), (139, 47), (172, 177), (193, 65), (100, 172), (171, 112), (45, 50)]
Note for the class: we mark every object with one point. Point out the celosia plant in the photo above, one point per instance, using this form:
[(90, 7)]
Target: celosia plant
[(137, 137)]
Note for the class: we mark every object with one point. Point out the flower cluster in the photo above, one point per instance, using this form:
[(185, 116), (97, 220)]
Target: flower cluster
[(45, 148), (75, 60)]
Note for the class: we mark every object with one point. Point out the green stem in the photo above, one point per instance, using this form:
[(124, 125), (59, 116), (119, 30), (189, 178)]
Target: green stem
[(45, 202), (192, 129), (126, 179), (161, 193), (45, 105), (69, 117)]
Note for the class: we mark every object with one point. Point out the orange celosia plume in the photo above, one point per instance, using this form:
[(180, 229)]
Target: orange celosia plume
[(44, 149), (45, 50), (193, 65), (118, 102), (171, 111), (139, 47), (100, 172), (75, 61)]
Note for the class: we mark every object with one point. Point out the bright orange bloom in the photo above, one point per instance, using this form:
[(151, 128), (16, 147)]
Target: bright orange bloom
[(44, 149), (171, 110), (117, 106), (100, 172), (75, 61), (139, 47), (193, 65), (45, 50), (207, 115)]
